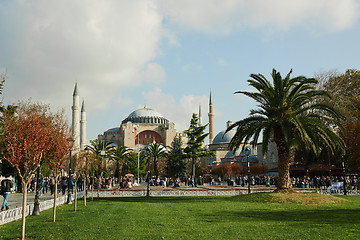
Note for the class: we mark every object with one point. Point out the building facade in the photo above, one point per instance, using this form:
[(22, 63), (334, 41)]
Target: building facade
[(143, 126)]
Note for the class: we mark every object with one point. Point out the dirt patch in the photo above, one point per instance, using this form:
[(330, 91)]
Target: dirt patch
[(304, 198)]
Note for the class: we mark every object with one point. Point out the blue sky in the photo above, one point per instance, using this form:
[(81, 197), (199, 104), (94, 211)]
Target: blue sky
[(167, 54)]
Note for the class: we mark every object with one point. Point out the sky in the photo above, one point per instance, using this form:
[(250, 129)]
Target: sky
[(167, 55)]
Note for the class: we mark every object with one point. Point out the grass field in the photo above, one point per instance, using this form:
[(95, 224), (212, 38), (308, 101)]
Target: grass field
[(255, 216)]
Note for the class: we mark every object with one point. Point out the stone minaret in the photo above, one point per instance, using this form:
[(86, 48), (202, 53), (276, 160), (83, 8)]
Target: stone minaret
[(200, 118), (83, 127), (211, 120), (76, 120)]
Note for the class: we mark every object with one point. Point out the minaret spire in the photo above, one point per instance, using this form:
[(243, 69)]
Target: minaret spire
[(75, 90), (76, 120), (211, 120), (83, 127)]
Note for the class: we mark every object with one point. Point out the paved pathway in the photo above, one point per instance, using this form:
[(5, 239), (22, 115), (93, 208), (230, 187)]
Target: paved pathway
[(15, 199)]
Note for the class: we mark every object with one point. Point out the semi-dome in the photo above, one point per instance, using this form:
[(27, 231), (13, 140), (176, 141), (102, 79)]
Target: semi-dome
[(145, 115), (113, 129), (232, 154)]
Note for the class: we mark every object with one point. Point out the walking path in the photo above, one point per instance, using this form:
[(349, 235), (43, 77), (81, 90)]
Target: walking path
[(15, 199)]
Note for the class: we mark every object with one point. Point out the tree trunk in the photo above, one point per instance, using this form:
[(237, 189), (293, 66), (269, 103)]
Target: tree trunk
[(23, 217), (92, 188), (55, 197), (75, 198), (284, 182), (193, 168), (85, 190), (119, 168), (156, 169)]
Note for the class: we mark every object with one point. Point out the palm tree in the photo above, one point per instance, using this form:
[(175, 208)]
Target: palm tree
[(156, 151), (120, 154), (100, 149), (291, 115)]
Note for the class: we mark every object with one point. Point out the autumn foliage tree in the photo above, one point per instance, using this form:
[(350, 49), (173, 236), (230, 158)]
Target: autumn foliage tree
[(345, 91), (27, 138), (59, 148), (84, 163)]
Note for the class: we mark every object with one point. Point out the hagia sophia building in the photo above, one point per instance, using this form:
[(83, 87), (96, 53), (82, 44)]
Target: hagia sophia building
[(141, 127), (146, 125)]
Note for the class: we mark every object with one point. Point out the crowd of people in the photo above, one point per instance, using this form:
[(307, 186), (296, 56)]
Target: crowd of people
[(47, 184), (321, 182)]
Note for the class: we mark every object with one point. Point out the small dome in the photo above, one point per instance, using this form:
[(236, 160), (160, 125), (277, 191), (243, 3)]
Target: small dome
[(221, 138), (252, 159), (238, 152)]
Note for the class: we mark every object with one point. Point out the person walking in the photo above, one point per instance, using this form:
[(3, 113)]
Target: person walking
[(6, 186)]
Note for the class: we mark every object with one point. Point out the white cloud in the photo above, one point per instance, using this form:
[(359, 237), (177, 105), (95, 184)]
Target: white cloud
[(221, 61), (180, 113), (192, 67), (223, 16), (104, 46), (154, 73)]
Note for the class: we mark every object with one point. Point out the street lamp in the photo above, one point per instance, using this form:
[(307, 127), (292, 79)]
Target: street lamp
[(102, 153), (36, 210), (344, 176), (136, 127), (247, 153), (148, 175)]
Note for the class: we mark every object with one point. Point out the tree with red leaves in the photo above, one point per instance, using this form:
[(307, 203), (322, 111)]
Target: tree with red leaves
[(60, 145), (27, 138)]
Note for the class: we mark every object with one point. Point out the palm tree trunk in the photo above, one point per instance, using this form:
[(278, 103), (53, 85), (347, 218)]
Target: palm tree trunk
[(23, 217), (120, 169), (156, 169), (284, 182)]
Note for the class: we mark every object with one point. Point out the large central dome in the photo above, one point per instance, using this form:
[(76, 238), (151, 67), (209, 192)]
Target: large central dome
[(144, 112), (145, 115)]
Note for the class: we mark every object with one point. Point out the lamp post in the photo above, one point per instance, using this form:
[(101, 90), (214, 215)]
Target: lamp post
[(247, 153), (148, 176), (136, 127), (36, 210), (102, 153), (344, 176)]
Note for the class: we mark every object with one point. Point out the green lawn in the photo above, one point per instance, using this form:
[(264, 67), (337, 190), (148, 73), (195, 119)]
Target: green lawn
[(240, 217)]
